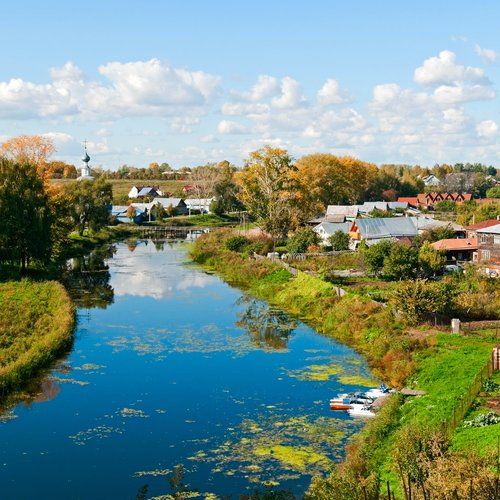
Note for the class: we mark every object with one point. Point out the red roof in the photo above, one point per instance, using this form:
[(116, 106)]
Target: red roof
[(456, 244), (411, 200), (482, 225)]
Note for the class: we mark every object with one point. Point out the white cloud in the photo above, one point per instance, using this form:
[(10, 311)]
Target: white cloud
[(230, 127), (444, 70), (331, 93), (264, 87), (447, 94), (487, 129), (487, 55), (290, 94), (238, 108)]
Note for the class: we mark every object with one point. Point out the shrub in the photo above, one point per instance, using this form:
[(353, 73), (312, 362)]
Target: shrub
[(236, 243), (301, 240)]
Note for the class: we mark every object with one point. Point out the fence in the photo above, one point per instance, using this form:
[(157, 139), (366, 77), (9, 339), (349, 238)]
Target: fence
[(462, 407)]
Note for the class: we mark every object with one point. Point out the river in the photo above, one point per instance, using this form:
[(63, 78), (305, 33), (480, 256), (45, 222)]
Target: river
[(176, 381)]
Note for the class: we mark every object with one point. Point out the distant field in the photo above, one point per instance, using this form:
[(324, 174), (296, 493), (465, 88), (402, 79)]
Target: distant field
[(121, 187)]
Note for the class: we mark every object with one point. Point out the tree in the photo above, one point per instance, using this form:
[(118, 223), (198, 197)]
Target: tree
[(493, 192), (401, 263), (430, 260), (301, 240), (267, 189), (203, 180), (226, 190), (158, 211), (339, 241), (91, 201), (374, 256), (25, 215), (34, 149)]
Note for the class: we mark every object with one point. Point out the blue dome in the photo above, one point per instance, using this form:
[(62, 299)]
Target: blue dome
[(86, 158)]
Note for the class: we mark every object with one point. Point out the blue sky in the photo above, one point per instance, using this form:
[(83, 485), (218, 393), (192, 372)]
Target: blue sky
[(190, 82)]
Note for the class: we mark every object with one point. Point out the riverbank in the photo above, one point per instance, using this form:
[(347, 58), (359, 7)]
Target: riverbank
[(444, 366), (36, 325)]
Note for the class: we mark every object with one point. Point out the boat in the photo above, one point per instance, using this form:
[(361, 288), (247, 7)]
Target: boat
[(361, 411)]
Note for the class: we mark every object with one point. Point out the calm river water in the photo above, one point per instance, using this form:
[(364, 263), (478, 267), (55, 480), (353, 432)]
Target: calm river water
[(173, 369)]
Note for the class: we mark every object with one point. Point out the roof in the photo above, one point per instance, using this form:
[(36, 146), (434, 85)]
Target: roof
[(346, 210), (369, 206), (428, 223), (483, 224), (330, 228), (167, 202), (411, 200), (146, 190), (393, 205), (490, 230), (456, 244), (198, 202), (386, 227)]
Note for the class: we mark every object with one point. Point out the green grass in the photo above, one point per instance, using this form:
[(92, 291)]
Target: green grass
[(205, 220), (36, 322)]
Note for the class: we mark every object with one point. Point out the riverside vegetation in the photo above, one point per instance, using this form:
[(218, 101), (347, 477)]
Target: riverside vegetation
[(412, 444), (36, 325)]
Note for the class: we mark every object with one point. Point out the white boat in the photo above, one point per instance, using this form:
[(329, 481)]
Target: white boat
[(361, 410)]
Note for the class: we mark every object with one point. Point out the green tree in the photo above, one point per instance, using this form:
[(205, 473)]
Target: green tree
[(339, 241), (158, 211), (401, 263), (430, 260), (226, 191), (446, 206), (90, 201), (267, 190), (25, 215), (375, 255), (493, 192), (301, 240)]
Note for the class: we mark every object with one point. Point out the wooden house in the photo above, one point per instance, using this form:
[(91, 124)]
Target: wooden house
[(489, 249)]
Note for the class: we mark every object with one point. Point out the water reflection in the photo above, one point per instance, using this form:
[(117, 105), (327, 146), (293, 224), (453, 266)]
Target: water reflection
[(87, 279), (266, 326)]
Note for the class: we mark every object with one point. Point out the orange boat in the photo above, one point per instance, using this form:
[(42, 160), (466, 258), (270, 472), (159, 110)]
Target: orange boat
[(340, 406)]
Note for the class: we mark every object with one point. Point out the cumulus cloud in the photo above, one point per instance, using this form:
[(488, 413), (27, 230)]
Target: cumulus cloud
[(487, 55), (139, 88), (487, 129), (331, 93), (264, 87), (444, 70), (230, 127), (290, 94)]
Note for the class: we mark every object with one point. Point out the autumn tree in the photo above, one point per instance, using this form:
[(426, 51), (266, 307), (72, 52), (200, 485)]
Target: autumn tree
[(203, 180), (267, 189), (34, 149)]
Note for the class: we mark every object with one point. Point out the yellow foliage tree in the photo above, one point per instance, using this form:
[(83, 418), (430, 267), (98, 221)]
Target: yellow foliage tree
[(33, 149)]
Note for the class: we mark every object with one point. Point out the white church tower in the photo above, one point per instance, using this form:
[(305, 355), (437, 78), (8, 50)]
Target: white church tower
[(86, 174)]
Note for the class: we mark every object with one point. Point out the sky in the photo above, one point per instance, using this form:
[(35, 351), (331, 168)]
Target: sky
[(190, 82)]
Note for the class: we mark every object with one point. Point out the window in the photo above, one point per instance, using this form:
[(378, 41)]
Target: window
[(483, 238), (496, 240), (485, 255)]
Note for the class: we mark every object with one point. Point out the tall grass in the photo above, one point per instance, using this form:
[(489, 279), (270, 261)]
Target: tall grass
[(36, 323)]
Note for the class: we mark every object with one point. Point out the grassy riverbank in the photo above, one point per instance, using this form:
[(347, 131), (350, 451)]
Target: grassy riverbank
[(411, 438), (36, 324)]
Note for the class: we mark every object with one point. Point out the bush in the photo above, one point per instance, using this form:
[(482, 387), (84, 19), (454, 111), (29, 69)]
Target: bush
[(236, 243)]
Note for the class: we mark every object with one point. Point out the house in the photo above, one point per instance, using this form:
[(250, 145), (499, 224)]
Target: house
[(201, 205), (489, 249), (412, 201), (431, 180), (473, 228), (177, 203), (122, 213), (428, 200), (457, 249), (142, 191), (370, 206), (350, 212), (385, 228), (326, 229), (429, 224)]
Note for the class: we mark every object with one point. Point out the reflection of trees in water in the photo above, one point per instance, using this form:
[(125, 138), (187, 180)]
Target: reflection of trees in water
[(87, 279), (267, 327)]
